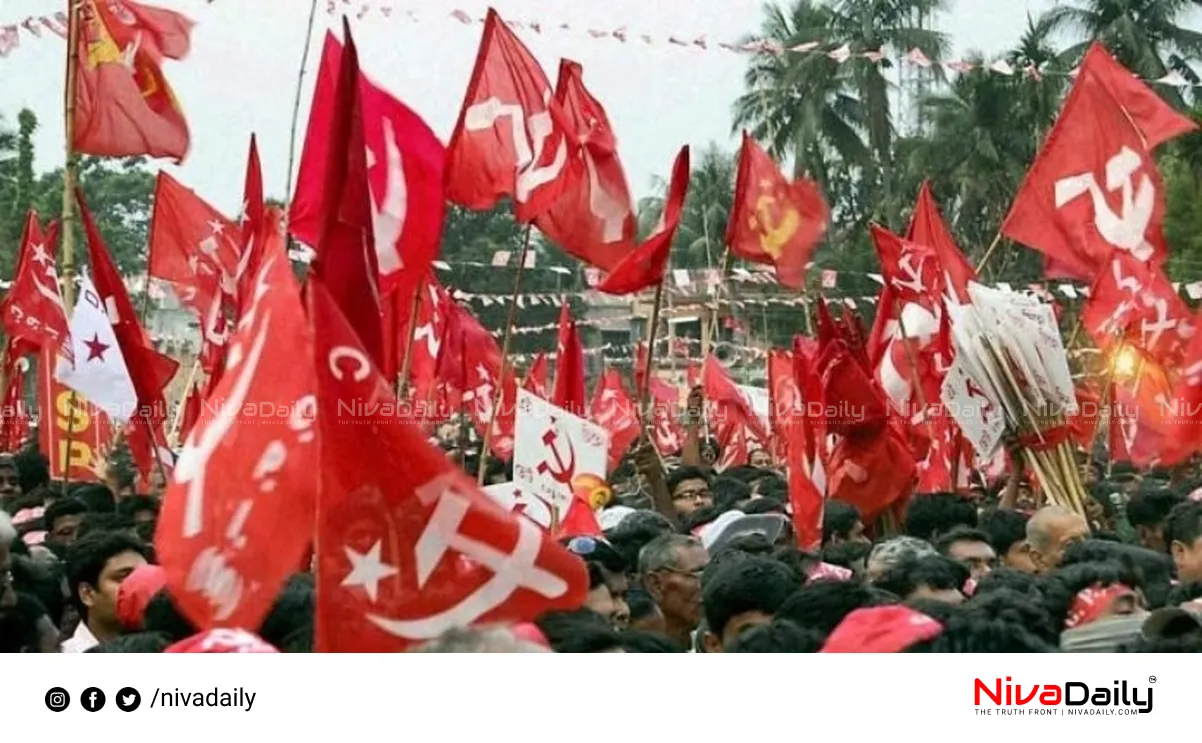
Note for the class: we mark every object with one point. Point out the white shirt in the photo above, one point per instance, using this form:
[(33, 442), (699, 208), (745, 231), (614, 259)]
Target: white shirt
[(82, 641)]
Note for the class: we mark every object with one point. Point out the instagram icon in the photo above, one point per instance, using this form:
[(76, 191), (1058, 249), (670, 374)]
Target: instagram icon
[(57, 699)]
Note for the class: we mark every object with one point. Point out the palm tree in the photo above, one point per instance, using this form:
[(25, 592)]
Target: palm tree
[(874, 26), (1145, 35), (699, 240), (802, 105)]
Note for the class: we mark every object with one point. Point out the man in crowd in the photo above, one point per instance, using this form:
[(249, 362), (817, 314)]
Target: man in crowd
[(1183, 532), (670, 569), (1050, 531), (96, 565), (690, 489), (970, 548)]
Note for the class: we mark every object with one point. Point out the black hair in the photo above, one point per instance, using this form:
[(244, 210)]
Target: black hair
[(1184, 593), (850, 555), (1190, 643), (299, 640), (94, 522), (701, 517), (778, 636), (728, 491), (163, 616), (1023, 610), (19, 625), (961, 534), (1009, 580), (764, 505), (1184, 523), (136, 642), (749, 583), (87, 557), (43, 582), (753, 544), (634, 641), (60, 508), (136, 503), (772, 485), (973, 632), (564, 628), (1005, 529), (635, 532), (686, 472), (933, 571), (931, 514), (640, 603), (1061, 586), (291, 611), (744, 473), (1150, 508), (822, 604), (838, 519), (33, 469), (1155, 570), (98, 498)]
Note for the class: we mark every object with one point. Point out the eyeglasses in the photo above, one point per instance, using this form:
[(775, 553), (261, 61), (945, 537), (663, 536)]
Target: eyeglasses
[(694, 573), (700, 494)]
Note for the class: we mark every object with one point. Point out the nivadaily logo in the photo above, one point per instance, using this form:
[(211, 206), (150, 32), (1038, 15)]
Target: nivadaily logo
[(1070, 697)]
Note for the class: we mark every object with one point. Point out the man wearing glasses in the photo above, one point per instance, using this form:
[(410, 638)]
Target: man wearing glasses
[(690, 489)]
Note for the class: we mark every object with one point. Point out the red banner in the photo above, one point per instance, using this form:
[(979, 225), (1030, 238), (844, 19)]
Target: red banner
[(83, 434)]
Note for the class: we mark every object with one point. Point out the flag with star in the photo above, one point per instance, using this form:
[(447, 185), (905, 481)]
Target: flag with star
[(99, 372), (774, 220), (32, 311)]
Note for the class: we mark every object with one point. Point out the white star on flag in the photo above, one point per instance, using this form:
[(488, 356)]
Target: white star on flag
[(367, 570), (40, 255)]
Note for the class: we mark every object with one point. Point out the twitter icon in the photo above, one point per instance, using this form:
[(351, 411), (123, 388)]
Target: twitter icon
[(128, 699)]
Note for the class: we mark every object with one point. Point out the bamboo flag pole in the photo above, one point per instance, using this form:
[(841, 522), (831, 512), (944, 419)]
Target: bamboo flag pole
[(173, 435), (997, 240), (645, 392), (296, 102), (499, 397), (69, 175), (403, 377)]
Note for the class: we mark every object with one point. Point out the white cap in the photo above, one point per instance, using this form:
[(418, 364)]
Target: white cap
[(611, 517)]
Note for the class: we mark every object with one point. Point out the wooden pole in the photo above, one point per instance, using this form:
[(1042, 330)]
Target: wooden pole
[(997, 240), (296, 102), (499, 396), (645, 392), (70, 435), (154, 450), (403, 378), (179, 411), (710, 336), (69, 175)]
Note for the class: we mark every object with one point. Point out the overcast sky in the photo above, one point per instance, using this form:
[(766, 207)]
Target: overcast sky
[(241, 75)]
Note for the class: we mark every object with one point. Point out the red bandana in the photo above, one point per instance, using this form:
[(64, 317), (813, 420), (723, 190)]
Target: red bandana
[(1091, 603)]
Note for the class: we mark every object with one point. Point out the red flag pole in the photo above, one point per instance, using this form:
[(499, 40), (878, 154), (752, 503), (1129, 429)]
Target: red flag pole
[(499, 397)]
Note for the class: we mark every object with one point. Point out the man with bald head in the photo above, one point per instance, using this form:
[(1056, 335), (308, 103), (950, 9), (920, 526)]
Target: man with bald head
[(1050, 531)]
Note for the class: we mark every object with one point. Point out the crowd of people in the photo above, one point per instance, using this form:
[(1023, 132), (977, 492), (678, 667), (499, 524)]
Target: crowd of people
[(986, 570)]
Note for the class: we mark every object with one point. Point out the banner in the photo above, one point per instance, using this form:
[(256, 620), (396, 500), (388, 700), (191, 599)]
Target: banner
[(91, 431), (553, 449), (511, 497)]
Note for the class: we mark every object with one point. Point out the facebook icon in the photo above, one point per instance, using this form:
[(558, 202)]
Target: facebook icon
[(92, 699)]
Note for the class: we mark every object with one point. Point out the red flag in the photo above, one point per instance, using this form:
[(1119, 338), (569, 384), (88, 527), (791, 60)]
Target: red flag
[(614, 410), (123, 103), (254, 226), (428, 332), (404, 169), (1094, 186), (1136, 304), (645, 266), (193, 404), (15, 414), (512, 138), (928, 228), (32, 310), (536, 378), (346, 257), (406, 553), (72, 432), (568, 392), (594, 219), (734, 423), (239, 512), (470, 363), (149, 370), (774, 220)]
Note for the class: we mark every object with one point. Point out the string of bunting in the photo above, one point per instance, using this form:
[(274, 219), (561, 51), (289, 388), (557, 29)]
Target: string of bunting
[(10, 35)]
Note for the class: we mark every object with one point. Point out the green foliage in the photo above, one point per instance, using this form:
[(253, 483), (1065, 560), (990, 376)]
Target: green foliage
[(119, 194)]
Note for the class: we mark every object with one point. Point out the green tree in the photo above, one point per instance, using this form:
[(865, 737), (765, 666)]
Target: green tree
[(1148, 36), (16, 185), (119, 195)]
